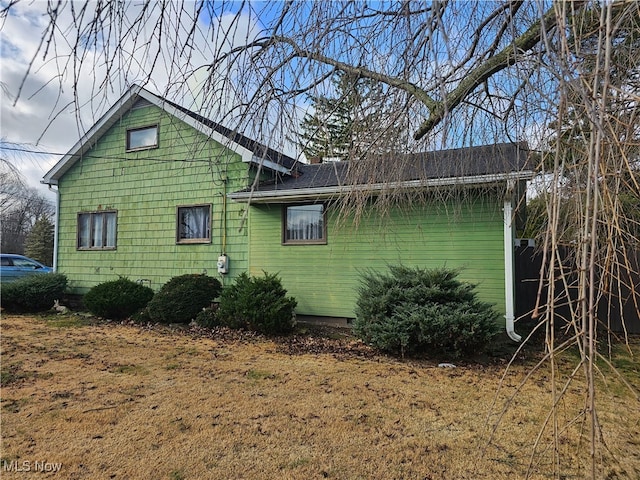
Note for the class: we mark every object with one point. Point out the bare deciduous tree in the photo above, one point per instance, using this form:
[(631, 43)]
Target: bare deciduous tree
[(20, 205), (11, 184), (452, 73)]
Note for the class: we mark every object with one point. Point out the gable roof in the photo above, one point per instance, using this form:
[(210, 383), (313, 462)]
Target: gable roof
[(249, 150), (487, 164)]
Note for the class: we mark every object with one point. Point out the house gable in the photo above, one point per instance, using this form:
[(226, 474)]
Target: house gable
[(250, 152)]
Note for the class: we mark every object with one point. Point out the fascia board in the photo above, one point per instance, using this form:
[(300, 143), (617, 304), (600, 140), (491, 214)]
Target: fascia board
[(269, 164), (319, 193), (245, 153), (87, 141)]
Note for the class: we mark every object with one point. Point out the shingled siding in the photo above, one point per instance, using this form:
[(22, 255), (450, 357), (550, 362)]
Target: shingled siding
[(145, 188), (324, 278)]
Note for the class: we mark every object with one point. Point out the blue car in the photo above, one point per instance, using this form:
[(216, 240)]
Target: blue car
[(13, 267)]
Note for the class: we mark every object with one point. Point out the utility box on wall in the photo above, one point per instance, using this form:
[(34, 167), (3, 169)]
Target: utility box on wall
[(223, 264)]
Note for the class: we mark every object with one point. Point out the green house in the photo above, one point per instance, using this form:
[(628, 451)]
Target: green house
[(154, 190), (144, 195)]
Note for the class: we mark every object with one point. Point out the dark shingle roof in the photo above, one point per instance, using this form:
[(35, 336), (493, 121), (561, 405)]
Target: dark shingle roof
[(260, 151), (444, 164)]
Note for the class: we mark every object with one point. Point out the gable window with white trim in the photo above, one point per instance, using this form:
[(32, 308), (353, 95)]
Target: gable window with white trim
[(304, 224), (142, 138), (193, 224), (97, 230)]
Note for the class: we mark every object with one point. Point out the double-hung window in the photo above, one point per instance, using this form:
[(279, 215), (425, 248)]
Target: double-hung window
[(193, 224), (97, 230), (304, 224)]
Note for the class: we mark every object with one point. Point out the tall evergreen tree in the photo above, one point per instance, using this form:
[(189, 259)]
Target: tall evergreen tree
[(340, 125), (39, 243)]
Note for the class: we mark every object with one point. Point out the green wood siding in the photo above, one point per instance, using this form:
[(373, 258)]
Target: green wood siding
[(324, 278), (145, 187)]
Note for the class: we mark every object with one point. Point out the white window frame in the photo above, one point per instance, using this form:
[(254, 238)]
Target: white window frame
[(141, 146)]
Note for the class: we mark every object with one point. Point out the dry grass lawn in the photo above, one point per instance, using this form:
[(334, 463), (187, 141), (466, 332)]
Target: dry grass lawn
[(111, 401)]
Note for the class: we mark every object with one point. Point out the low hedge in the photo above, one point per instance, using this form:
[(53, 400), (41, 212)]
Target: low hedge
[(34, 293), (182, 298), (257, 303)]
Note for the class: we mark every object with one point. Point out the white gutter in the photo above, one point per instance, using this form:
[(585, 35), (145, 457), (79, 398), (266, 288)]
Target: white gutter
[(509, 287), (56, 230), (316, 193)]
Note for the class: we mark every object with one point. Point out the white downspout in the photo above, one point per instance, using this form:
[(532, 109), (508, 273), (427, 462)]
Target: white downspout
[(509, 287), (55, 229)]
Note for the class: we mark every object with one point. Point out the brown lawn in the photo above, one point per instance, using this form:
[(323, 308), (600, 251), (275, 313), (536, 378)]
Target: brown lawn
[(110, 401)]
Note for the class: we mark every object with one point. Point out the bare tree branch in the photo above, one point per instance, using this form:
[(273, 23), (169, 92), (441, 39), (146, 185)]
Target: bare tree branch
[(505, 58)]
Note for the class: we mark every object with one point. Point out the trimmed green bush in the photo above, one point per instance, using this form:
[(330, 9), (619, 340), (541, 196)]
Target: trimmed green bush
[(117, 299), (182, 298), (34, 293), (257, 303), (412, 311), (142, 316), (208, 317)]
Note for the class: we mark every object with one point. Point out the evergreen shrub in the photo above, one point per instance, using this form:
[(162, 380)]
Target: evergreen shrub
[(39, 241), (33, 293), (414, 311), (257, 303), (208, 317), (117, 299), (182, 298)]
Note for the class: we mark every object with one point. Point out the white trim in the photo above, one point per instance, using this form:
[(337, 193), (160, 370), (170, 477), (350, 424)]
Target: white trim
[(317, 193), (98, 129), (244, 153), (88, 140), (509, 287), (56, 230), (269, 164)]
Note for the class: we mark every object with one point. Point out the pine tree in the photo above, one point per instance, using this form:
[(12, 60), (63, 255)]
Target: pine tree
[(340, 123), (39, 243)]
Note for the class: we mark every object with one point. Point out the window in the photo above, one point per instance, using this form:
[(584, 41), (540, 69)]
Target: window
[(25, 263), (97, 231), (304, 224), (141, 138), (194, 224)]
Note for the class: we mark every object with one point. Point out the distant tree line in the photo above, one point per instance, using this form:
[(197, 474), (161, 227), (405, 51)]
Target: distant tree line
[(26, 217)]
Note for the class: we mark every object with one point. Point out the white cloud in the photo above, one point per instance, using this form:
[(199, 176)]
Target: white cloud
[(53, 110)]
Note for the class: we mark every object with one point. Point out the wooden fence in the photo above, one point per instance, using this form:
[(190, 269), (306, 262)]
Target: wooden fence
[(618, 308)]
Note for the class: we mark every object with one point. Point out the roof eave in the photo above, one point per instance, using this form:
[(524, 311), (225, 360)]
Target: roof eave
[(263, 162), (101, 126), (323, 193), (125, 102)]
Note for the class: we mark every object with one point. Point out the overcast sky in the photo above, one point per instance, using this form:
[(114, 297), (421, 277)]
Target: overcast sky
[(27, 123)]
